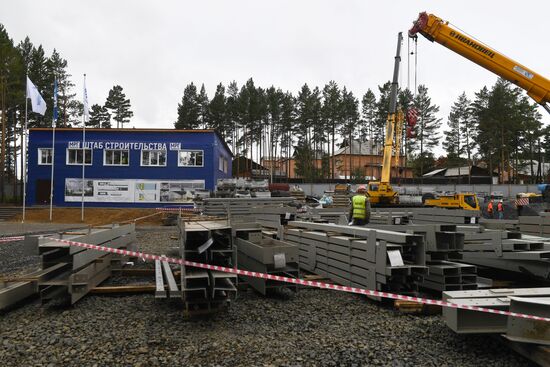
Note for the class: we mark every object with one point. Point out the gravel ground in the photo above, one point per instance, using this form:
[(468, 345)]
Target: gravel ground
[(314, 328)]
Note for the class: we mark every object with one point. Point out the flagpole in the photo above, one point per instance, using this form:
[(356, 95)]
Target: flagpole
[(84, 112), (24, 156), (53, 147), (51, 178)]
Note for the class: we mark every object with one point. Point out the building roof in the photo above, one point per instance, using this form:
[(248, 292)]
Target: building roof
[(359, 148), (435, 172), (525, 168), (457, 171), (474, 171), (138, 130)]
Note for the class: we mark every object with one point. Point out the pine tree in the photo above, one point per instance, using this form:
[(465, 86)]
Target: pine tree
[(457, 137), (427, 126), (368, 117), (350, 118), (303, 115), (203, 103), (331, 111), (188, 109), (232, 113), (99, 117), (68, 109), (119, 106), (383, 110), (288, 111), (217, 114)]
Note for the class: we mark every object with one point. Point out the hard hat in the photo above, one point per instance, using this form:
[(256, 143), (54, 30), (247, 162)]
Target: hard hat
[(361, 188)]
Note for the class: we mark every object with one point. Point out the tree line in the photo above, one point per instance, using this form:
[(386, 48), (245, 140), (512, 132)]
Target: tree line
[(310, 125), (500, 127)]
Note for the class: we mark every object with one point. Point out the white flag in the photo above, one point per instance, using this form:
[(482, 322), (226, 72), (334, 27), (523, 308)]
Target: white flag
[(85, 102), (37, 102)]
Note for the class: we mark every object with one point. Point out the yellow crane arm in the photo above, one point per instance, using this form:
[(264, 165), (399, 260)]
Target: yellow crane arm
[(438, 30)]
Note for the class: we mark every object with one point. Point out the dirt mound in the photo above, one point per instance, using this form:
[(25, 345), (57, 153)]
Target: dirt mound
[(92, 216)]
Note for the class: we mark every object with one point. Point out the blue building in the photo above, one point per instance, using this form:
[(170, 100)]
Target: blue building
[(124, 167)]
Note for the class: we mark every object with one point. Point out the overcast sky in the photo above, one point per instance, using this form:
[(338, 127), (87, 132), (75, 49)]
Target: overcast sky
[(153, 49)]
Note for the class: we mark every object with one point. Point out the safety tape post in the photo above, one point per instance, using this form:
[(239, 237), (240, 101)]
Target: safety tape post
[(366, 292)]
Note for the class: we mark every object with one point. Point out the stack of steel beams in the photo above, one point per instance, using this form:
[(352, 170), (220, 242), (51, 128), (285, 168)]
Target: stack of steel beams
[(503, 224), (325, 215), (266, 255), (232, 206), (442, 215), (535, 225), (211, 242), (508, 251), (441, 240), (360, 257), (80, 269), (473, 322), (389, 216), (166, 285)]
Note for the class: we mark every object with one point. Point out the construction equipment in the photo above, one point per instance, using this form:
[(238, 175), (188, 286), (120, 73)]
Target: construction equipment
[(467, 201), (381, 192), (436, 29)]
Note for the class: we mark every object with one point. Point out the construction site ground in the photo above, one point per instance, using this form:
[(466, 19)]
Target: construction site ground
[(313, 328), (92, 216)]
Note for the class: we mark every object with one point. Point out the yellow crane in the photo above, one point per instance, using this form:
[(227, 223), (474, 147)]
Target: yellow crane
[(438, 30), (381, 192)]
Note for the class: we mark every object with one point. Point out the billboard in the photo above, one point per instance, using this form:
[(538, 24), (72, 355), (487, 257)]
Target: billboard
[(132, 190)]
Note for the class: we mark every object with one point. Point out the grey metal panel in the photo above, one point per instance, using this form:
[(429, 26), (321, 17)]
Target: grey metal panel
[(97, 236), (83, 258), (15, 292), (529, 330), (170, 280), (364, 232), (160, 291), (473, 322), (81, 282), (499, 293)]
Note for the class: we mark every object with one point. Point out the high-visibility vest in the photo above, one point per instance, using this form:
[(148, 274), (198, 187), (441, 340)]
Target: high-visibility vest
[(490, 207), (359, 205), (500, 207)]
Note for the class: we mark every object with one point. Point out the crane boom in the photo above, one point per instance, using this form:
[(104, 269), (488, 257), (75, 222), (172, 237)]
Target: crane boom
[(381, 192), (438, 30)]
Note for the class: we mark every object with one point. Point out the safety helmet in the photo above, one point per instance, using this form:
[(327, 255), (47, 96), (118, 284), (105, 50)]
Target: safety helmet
[(362, 188)]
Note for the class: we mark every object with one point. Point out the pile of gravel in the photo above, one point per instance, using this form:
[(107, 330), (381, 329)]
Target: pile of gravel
[(317, 327), (314, 328), (15, 260)]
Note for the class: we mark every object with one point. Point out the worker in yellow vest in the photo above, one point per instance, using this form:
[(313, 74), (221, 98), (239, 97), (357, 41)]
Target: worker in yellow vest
[(360, 207)]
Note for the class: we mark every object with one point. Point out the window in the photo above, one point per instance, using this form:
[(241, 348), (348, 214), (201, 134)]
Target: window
[(190, 158), (74, 156), (116, 157), (222, 164), (45, 156), (153, 158)]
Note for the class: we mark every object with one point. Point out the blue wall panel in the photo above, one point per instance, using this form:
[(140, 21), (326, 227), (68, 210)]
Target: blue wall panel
[(208, 141)]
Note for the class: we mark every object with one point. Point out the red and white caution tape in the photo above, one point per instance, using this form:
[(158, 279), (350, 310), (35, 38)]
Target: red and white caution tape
[(308, 283), (12, 239)]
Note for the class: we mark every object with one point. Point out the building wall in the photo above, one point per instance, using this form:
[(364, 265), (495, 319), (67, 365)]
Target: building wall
[(206, 140), (371, 165)]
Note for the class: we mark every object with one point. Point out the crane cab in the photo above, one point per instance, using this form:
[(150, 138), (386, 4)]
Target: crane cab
[(381, 193)]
